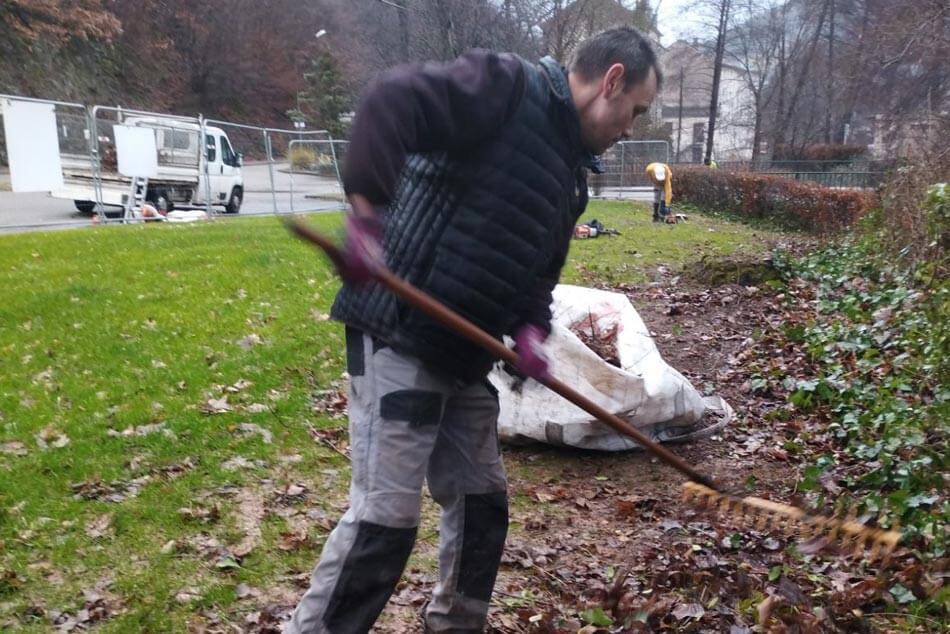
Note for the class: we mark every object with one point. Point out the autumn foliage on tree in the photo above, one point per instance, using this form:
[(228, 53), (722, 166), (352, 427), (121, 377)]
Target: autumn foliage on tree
[(247, 60), (59, 20), (239, 59)]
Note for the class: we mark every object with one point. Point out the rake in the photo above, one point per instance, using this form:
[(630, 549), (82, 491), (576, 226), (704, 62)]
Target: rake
[(702, 490)]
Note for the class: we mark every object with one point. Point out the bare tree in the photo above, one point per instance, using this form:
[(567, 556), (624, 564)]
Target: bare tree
[(830, 73), (402, 16), (753, 46), (717, 75), (884, 66), (565, 23), (679, 113), (798, 46), (908, 81)]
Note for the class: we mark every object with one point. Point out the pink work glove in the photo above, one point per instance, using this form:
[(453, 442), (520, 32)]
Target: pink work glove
[(362, 253), (532, 361)]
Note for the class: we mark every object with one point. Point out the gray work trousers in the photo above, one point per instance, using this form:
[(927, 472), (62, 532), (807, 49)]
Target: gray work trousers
[(410, 423)]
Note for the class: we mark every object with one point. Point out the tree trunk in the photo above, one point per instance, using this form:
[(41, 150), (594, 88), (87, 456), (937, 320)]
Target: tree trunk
[(785, 118), (778, 137), (403, 15), (449, 50), (717, 76), (857, 79), (830, 81), (757, 130), (679, 123)]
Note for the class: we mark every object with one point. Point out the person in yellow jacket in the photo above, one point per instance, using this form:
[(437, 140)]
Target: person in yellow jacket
[(662, 177)]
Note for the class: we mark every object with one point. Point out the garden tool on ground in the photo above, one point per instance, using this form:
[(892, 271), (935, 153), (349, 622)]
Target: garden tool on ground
[(701, 490)]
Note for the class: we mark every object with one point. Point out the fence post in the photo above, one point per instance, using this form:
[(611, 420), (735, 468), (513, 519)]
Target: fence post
[(290, 158), (623, 147), (336, 166), (203, 158), (270, 169), (94, 163)]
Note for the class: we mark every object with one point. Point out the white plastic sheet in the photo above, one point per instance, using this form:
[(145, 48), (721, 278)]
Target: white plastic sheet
[(32, 146), (186, 215), (136, 151), (645, 391)]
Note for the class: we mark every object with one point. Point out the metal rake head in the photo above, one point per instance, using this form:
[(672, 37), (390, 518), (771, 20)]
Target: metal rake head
[(765, 514)]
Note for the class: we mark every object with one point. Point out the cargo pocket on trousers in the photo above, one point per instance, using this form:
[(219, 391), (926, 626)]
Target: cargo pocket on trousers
[(417, 407), (355, 361), (489, 451)]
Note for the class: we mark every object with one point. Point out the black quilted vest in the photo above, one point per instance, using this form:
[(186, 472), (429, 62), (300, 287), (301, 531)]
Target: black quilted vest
[(477, 229)]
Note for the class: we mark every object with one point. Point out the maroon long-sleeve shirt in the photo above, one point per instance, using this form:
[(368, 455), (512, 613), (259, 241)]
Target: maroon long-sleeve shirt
[(425, 108)]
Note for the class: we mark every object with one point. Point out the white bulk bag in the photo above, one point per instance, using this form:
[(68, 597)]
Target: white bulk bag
[(645, 391)]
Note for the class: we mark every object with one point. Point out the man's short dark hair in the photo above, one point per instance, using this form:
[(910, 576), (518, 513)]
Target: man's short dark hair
[(620, 45)]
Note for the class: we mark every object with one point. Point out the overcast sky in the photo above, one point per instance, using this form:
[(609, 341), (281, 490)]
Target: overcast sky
[(676, 20)]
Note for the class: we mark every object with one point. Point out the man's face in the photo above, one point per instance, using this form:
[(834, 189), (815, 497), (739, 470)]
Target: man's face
[(609, 118)]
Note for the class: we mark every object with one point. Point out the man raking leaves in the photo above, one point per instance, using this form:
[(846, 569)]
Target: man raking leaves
[(466, 180), (467, 248)]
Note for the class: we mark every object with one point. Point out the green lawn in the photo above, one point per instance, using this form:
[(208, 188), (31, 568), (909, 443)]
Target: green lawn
[(643, 246), (106, 330)]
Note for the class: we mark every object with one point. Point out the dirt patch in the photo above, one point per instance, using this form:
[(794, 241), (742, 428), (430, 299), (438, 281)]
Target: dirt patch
[(697, 329), (606, 536), (603, 542), (249, 515)]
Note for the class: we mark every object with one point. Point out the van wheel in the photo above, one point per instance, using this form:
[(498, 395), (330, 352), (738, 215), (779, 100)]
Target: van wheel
[(85, 206), (234, 202), (161, 199)]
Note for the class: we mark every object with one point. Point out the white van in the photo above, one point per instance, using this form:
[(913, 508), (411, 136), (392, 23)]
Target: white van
[(182, 165)]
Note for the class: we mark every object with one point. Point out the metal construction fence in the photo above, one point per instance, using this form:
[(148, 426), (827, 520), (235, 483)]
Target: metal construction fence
[(178, 152), (203, 166), (72, 137), (216, 167), (316, 162), (841, 174), (271, 168), (626, 162), (624, 167)]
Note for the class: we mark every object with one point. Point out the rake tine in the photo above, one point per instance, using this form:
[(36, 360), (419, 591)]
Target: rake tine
[(762, 513)]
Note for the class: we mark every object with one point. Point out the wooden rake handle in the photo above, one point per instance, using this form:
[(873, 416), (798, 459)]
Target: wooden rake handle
[(458, 324)]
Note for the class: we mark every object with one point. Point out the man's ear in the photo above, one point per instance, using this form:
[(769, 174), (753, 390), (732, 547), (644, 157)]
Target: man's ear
[(613, 82)]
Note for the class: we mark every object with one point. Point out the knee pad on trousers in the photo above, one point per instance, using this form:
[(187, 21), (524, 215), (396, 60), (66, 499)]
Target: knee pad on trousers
[(483, 541), (373, 567)]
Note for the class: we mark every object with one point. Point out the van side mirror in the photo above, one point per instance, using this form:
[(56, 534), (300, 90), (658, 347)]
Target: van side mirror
[(240, 160)]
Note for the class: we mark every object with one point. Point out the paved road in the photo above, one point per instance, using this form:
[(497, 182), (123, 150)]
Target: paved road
[(292, 192), (26, 212)]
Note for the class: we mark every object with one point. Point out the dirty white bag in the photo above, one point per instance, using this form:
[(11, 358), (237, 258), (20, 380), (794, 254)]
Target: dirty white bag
[(645, 391), (186, 215)]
